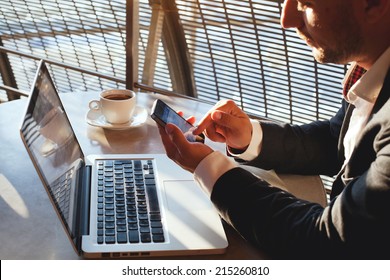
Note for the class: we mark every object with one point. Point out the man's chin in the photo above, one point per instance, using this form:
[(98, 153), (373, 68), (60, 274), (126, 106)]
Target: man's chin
[(328, 57), (318, 55)]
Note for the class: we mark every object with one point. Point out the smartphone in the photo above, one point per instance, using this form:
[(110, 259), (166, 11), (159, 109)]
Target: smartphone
[(163, 114)]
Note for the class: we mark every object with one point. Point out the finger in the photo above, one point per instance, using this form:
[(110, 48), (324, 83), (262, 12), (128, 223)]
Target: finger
[(212, 133), (205, 122), (225, 119), (191, 120)]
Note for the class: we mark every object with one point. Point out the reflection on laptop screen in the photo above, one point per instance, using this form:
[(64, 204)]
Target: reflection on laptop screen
[(51, 141)]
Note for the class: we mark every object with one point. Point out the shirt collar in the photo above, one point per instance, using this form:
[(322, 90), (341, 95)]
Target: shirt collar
[(370, 84)]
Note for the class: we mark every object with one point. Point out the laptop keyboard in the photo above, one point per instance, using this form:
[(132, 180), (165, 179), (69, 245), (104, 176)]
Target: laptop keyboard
[(60, 191), (128, 208)]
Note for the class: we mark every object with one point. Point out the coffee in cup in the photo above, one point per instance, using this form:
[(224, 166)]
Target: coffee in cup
[(116, 105)]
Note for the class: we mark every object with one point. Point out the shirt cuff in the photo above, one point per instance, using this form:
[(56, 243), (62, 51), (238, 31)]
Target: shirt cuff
[(211, 168), (254, 147)]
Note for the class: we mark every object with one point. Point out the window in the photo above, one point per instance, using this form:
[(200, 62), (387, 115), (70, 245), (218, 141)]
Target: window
[(89, 35), (239, 51), (236, 50)]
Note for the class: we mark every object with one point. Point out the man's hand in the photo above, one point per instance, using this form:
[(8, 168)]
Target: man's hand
[(225, 122), (186, 154)]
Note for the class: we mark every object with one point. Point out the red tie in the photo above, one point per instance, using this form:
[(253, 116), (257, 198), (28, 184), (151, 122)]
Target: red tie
[(356, 74)]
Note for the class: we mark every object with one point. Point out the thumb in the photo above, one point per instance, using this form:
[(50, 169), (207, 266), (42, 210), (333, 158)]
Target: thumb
[(176, 135)]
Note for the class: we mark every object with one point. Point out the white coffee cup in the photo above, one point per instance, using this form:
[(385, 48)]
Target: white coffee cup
[(117, 105)]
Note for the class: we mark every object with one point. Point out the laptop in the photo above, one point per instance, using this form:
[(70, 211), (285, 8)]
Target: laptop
[(121, 205)]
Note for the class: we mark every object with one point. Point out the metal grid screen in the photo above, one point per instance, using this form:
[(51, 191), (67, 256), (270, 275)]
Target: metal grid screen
[(237, 48), (85, 34), (240, 51)]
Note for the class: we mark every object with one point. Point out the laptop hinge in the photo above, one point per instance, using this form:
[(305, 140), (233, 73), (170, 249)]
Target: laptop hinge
[(85, 182)]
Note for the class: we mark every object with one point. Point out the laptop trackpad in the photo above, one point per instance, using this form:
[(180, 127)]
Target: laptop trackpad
[(186, 196)]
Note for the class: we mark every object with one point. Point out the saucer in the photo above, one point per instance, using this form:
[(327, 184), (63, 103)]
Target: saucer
[(96, 118)]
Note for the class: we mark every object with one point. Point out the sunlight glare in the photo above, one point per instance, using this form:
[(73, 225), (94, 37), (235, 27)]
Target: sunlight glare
[(13, 199)]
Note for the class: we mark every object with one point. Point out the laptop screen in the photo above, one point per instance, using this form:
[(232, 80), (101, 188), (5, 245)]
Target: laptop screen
[(53, 147)]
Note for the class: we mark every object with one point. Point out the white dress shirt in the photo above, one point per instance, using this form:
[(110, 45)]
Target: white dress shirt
[(362, 95)]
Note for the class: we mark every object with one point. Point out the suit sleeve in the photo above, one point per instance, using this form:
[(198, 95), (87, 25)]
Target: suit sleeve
[(306, 149), (355, 224), (288, 227)]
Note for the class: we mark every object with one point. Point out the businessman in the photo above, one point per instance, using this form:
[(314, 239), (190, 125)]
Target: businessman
[(354, 145)]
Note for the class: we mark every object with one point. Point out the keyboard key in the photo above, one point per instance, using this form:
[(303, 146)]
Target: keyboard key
[(132, 226), (121, 215), (109, 212), (155, 217), (110, 232), (109, 206), (133, 236), (143, 216), (150, 182), (144, 229), (157, 231), (137, 165), (110, 239), (146, 238), (120, 203), (144, 223), (109, 184), (156, 224), (109, 225), (122, 237), (158, 238), (152, 197), (132, 213), (121, 228), (110, 219)]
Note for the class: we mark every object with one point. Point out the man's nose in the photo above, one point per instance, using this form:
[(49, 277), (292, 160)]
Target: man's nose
[(291, 17)]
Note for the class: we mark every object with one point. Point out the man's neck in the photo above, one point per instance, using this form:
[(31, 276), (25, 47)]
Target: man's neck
[(369, 60)]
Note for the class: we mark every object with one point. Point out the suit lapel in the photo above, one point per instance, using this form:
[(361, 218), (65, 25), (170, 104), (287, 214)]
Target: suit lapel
[(344, 128), (383, 97)]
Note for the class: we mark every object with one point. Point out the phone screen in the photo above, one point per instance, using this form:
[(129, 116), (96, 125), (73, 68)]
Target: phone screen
[(164, 114)]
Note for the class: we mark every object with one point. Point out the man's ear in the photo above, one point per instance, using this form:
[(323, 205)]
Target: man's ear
[(376, 9)]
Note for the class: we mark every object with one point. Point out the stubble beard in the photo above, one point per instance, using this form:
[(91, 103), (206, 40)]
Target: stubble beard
[(347, 42), (340, 53)]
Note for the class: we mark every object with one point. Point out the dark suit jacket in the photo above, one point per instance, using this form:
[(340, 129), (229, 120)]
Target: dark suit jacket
[(356, 223)]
